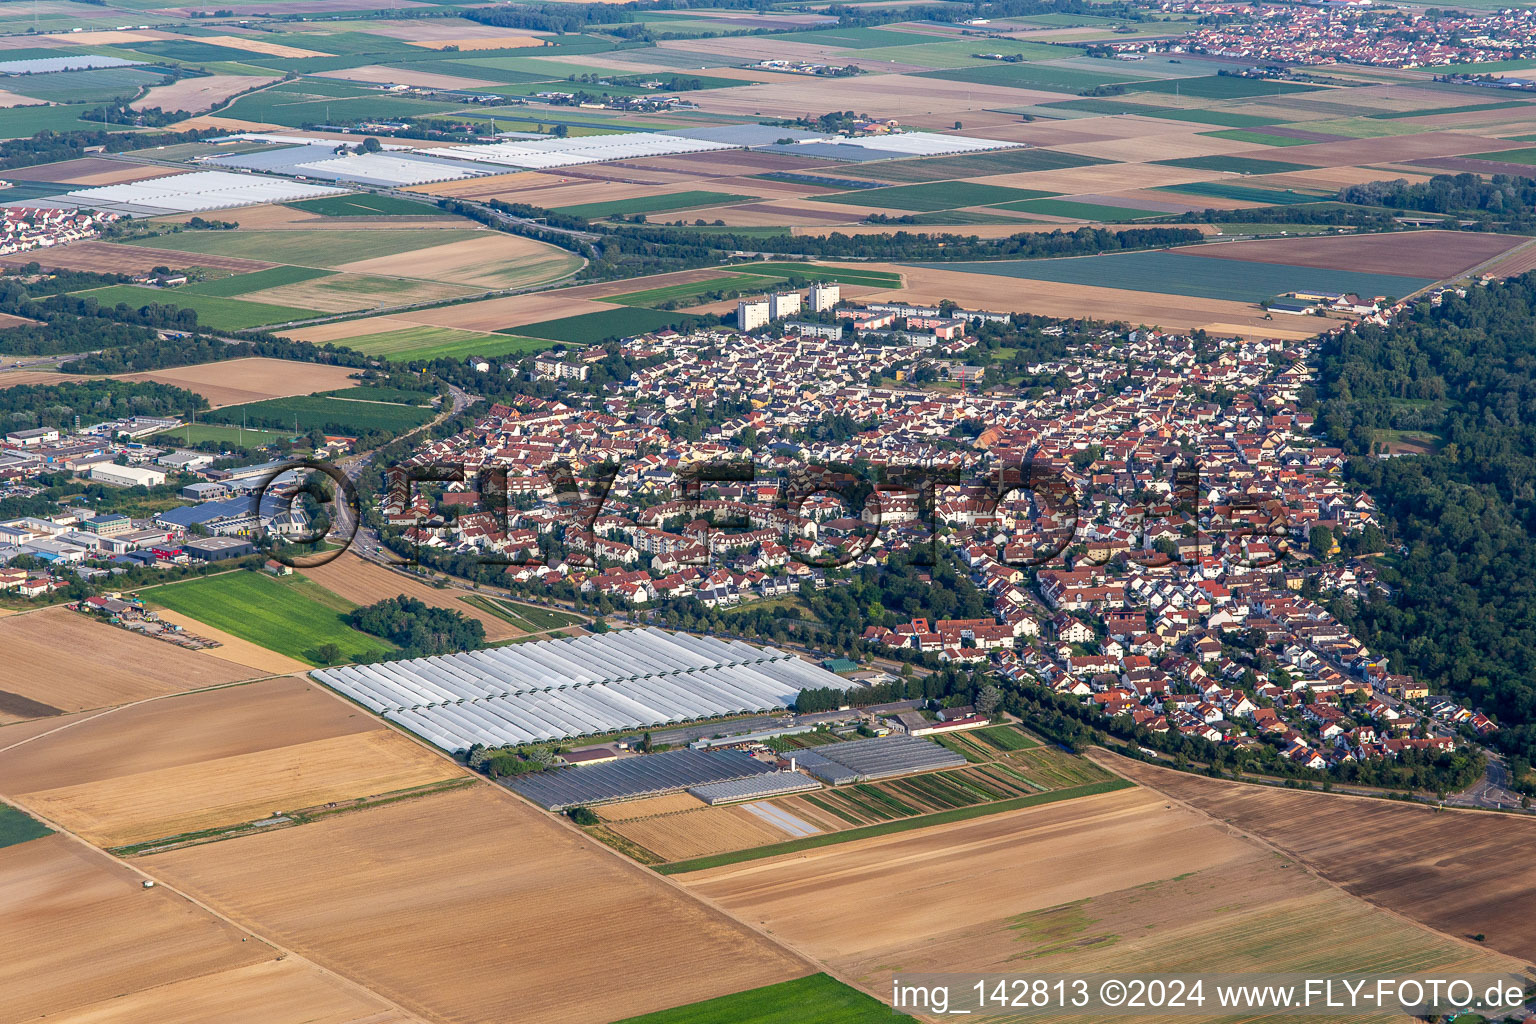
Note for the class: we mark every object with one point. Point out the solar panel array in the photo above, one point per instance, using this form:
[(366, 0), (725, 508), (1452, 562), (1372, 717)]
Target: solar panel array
[(648, 775), (560, 689), (198, 191), (754, 787), (878, 758)]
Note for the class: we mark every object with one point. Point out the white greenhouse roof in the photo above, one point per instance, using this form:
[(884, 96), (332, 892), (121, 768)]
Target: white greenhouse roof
[(201, 190), (559, 689), (585, 150)]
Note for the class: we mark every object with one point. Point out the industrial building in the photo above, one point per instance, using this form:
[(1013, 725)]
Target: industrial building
[(561, 689), (126, 476)]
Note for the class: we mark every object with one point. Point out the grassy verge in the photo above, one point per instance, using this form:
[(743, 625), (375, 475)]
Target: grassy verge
[(891, 827)]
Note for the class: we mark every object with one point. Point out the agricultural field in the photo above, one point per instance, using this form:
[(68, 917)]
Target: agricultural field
[(816, 999), (256, 379), (1449, 870), (326, 249), (334, 415), (1008, 770), (213, 760), (222, 314), (291, 616), (1113, 880), (316, 889), (935, 196), (652, 204), (1202, 277), (360, 204), (363, 582), (591, 328), (526, 618), (17, 827), (60, 661)]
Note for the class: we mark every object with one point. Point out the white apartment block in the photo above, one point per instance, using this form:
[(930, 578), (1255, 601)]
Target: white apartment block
[(752, 314)]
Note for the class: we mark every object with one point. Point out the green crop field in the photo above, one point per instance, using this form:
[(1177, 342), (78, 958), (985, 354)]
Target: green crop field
[(815, 999), (450, 344), (1402, 115), (1169, 273), (17, 827), (332, 415), (293, 616), (1258, 138), (194, 433), (240, 284), (24, 122), (1005, 737), (92, 86), (932, 52), (1116, 105), (1049, 77), (840, 275), (1508, 156), (855, 38), (653, 204), (1222, 87), (1236, 164), (931, 196), (361, 204), (945, 168), (590, 328), (307, 248), (222, 314), (653, 296), (1081, 211), (1242, 193)]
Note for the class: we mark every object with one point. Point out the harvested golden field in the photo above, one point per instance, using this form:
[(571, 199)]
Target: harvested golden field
[(1115, 879), (208, 767), (364, 582), (91, 170), (491, 260), (288, 991), (1100, 178), (124, 809), (471, 875), (649, 807), (237, 381), (261, 46), (1167, 145), (1433, 254), (1457, 871), (235, 649), (493, 184), (319, 334), (12, 378), (195, 95), (228, 124), (708, 830), (344, 293), (79, 930), (71, 662), (377, 74), (494, 314), (87, 944)]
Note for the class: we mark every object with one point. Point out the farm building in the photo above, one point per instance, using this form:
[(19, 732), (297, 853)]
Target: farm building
[(879, 758), (561, 689)]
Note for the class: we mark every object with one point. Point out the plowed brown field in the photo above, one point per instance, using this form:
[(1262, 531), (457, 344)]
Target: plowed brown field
[(434, 903)]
